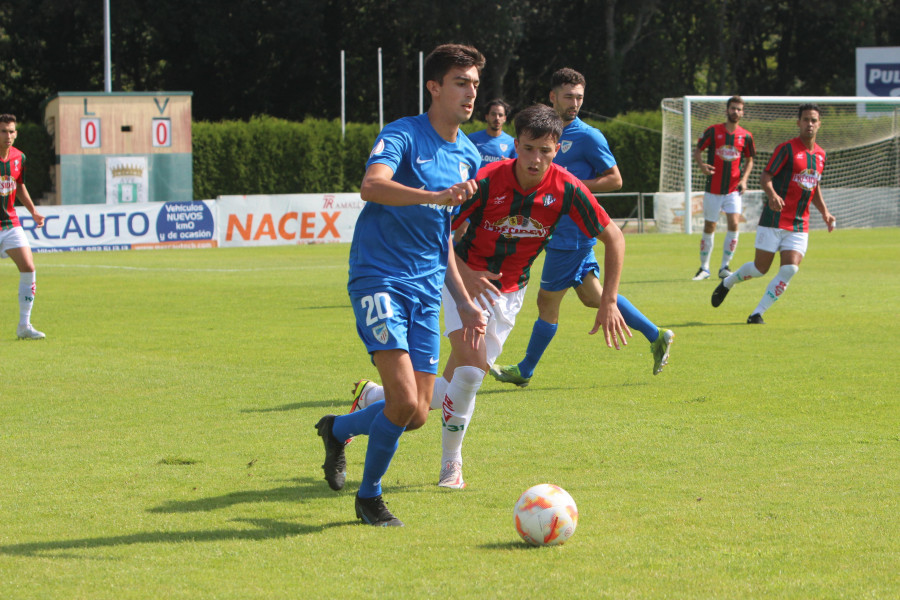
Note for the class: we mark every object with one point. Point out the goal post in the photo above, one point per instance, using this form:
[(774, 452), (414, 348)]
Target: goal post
[(860, 135)]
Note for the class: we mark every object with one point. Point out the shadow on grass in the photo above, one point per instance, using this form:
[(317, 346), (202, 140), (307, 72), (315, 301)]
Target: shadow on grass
[(327, 404), (265, 529), (307, 488)]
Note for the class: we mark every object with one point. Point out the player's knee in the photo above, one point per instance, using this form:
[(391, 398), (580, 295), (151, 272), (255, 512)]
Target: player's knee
[(788, 271)]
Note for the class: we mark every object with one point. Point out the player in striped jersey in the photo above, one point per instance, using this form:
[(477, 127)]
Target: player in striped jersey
[(13, 242), (791, 183), (725, 144), (419, 170), (516, 208)]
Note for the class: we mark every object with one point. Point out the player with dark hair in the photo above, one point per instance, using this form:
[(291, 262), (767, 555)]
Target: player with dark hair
[(570, 261), (790, 182), (13, 242), (514, 211), (419, 170), (726, 145), (493, 143)]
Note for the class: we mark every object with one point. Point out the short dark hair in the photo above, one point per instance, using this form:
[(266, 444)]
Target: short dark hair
[(808, 106), (537, 121), (447, 56), (7, 118), (733, 100), (566, 76), (497, 102)]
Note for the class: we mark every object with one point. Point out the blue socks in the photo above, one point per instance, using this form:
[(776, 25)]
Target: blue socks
[(636, 319), (541, 336), (384, 438), (356, 423)]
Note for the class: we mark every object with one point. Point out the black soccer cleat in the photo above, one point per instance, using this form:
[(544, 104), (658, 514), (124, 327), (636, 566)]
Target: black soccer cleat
[(373, 512), (335, 465), (755, 319), (719, 294)]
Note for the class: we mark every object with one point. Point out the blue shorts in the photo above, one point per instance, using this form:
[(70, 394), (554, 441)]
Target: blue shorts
[(568, 268), (389, 319)]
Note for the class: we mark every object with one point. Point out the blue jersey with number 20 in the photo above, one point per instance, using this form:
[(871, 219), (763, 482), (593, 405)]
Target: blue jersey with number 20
[(407, 246)]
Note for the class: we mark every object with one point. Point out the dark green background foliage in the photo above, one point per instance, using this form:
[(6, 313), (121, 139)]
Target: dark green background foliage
[(266, 155)]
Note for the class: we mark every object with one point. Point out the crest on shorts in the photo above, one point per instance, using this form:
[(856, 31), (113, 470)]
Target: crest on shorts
[(381, 333), (565, 145)]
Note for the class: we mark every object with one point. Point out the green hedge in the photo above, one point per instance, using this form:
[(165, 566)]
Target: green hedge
[(273, 156)]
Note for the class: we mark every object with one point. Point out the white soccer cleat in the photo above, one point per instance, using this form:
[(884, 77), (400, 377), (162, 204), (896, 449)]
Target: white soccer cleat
[(701, 274), (27, 332), (724, 272), (451, 476)]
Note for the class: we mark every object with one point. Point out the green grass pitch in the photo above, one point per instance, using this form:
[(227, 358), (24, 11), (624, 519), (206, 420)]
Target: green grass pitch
[(160, 444)]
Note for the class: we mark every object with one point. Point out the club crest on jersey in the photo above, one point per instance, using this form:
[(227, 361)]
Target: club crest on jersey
[(516, 226), (381, 333), (565, 145), (728, 153), (807, 179), (548, 199), (504, 147), (378, 149), (464, 171)]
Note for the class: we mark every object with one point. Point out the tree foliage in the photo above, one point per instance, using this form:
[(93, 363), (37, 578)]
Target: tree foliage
[(282, 57)]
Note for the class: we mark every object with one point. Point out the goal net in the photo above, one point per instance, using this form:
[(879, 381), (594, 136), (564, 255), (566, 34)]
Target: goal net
[(861, 138)]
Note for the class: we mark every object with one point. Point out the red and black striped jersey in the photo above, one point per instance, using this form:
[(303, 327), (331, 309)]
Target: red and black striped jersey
[(12, 175), (796, 172), (509, 226), (724, 152)]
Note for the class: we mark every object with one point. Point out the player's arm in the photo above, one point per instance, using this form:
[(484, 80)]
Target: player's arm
[(706, 169), (24, 197), (819, 202), (379, 187), (609, 180), (608, 316), (742, 184), (473, 320), (776, 202)]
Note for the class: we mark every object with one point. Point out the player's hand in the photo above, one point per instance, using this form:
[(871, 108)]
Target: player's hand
[(38, 219), (830, 221), (457, 194), (742, 186), (474, 322), (776, 203), (613, 324), (478, 284), (707, 169)]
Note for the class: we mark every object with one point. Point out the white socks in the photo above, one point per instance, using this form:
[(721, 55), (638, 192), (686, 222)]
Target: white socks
[(748, 270), (26, 297), (706, 246), (731, 241), (456, 411), (776, 288)]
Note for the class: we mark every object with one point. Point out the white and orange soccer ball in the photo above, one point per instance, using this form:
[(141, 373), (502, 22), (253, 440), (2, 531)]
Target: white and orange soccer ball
[(545, 515)]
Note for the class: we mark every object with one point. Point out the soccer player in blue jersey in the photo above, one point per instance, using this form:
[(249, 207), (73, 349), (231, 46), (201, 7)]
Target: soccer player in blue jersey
[(420, 168), (493, 143), (570, 260)]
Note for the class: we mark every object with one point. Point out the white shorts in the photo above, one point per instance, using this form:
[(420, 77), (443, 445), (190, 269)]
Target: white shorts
[(500, 320), (12, 238), (713, 204), (774, 240)]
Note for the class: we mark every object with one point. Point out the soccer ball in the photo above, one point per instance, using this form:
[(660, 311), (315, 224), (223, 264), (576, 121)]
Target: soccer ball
[(545, 515)]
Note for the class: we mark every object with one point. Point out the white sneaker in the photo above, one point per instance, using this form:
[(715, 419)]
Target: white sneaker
[(451, 476), (701, 274), (724, 272), (27, 332)]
